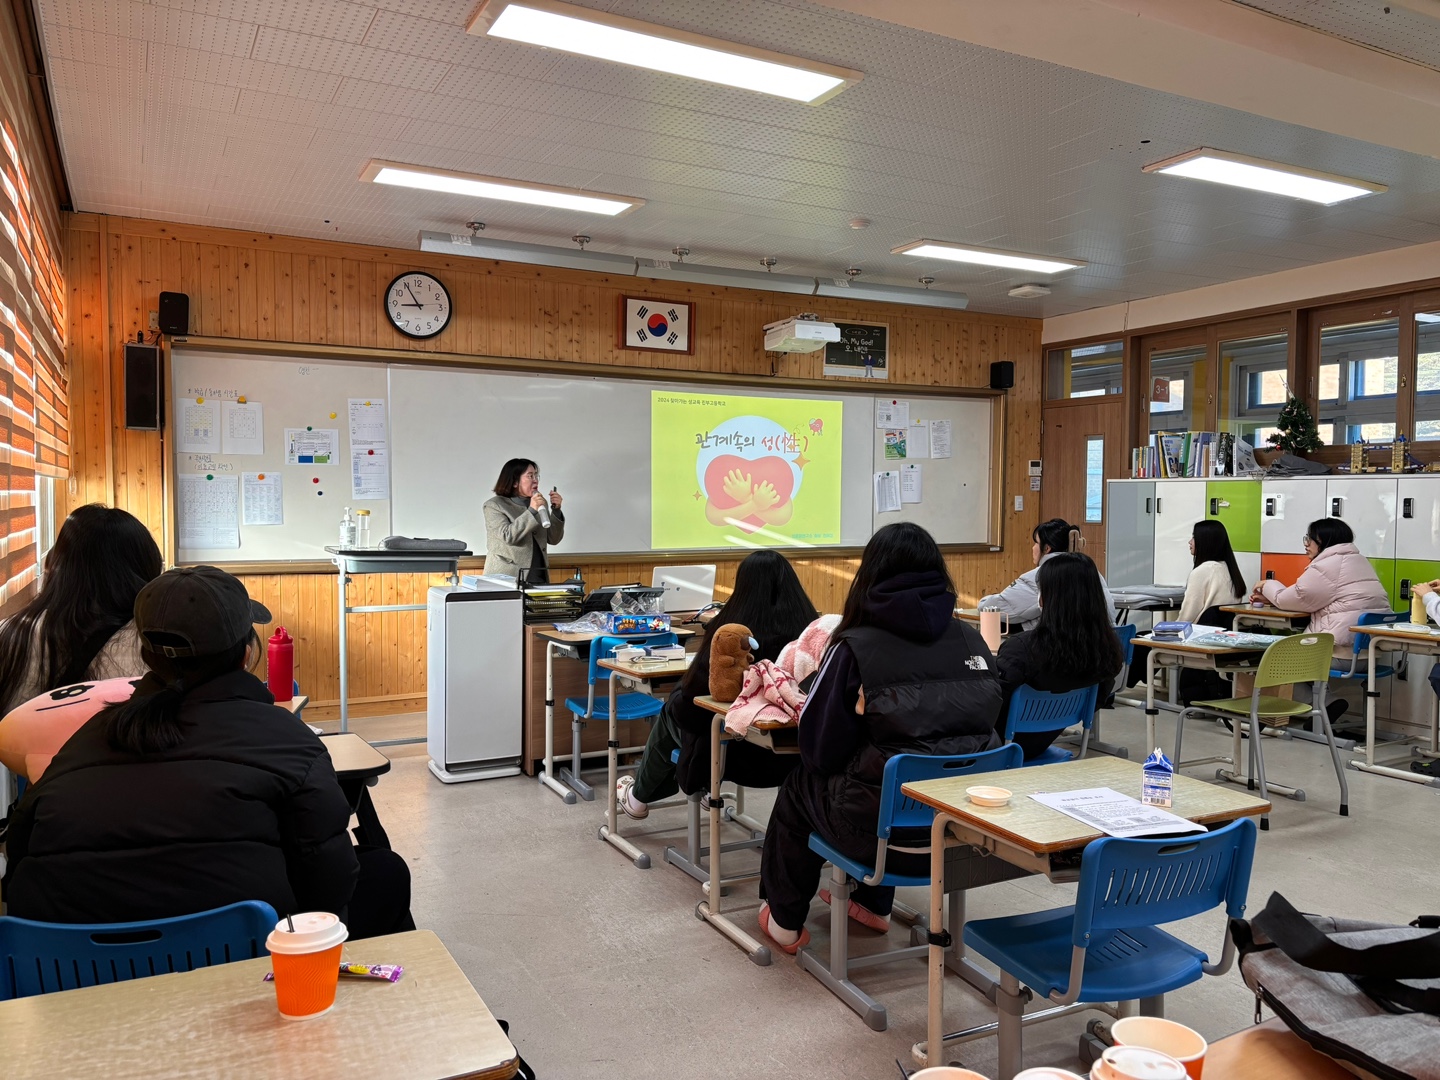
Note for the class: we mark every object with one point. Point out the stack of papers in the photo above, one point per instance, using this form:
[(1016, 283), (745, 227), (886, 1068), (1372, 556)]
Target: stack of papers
[(1236, 639), (1113, 814)]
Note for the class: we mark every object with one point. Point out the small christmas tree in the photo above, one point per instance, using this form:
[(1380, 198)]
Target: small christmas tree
[(1298, 433)]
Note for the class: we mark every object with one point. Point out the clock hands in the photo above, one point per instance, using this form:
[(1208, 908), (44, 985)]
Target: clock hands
[(411, 291)]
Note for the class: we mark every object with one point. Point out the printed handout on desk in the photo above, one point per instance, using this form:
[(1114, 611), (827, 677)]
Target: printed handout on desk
[(887, 492), (367, 423), (1113, 814), (939, 438), (1216, 638), (208, 510), (200, 428), (917, 440), (312, 446), (370, 473), (892, 414), (262, 499), (910, 483), (242, 427)]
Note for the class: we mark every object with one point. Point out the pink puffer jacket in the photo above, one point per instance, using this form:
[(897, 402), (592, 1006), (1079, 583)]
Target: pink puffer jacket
[(1336, 588)]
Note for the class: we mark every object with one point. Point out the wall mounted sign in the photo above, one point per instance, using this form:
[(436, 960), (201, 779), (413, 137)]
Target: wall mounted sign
[(861, 352)]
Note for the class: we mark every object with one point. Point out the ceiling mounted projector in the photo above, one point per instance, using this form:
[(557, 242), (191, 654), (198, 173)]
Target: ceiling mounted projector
[(799, 334)]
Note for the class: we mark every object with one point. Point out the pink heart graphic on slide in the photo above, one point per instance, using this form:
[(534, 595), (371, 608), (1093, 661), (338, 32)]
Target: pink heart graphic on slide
[(773, 470)]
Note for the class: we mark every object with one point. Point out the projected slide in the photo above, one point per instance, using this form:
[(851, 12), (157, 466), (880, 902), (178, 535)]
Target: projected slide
[(743, 471)]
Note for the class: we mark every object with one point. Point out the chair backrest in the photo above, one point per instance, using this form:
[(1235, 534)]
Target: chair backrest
[(897, 811), (1126, 634), (1303, 658), (1039, 710), (1129, 883), (603, 648), (41, 958), (1376, 618)]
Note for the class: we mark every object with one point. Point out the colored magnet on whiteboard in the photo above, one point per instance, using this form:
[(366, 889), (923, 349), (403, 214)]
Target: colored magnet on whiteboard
[(309, 428), (319, 493), (209, 476), (315, 479), (260, 476), (370, 452), (332, 416), (241, 399), (367, 404), (199, 401)]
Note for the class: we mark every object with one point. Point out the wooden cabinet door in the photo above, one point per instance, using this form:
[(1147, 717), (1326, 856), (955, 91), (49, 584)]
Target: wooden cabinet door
[(1068, 426)]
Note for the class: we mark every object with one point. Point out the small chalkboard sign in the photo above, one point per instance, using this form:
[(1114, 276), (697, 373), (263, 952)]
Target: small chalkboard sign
[(861, 352)]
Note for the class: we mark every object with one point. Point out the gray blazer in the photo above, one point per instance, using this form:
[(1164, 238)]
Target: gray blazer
[(510, 528)]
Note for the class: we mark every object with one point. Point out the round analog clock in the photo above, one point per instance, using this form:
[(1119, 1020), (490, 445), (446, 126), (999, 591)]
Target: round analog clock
[(418, 304)]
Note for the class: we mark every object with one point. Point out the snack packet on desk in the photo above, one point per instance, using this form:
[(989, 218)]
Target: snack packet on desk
[(384, 972), (1157, 782)]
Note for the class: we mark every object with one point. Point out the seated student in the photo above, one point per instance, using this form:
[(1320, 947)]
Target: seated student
[(1073, 645), (196, 792), (1018, 600), (902, 676), (769, 599), (79, 626)]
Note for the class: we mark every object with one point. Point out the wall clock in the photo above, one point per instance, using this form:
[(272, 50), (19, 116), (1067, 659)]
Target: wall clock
[(417, 304)]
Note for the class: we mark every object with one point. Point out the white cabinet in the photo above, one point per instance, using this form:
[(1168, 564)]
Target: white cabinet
[(1367, 505), (1179, 504), (1249, 563), (1417, 528), (1286, 508)]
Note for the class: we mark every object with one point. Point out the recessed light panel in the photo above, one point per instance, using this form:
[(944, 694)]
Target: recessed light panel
[(1257, 174), (450, 182), (1008, 260)]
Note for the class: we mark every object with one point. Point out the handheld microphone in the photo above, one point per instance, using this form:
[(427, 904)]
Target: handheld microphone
[(544, 514)]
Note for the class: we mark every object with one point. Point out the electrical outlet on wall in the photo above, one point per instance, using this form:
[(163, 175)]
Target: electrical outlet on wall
[(154, 320), (1019, 503)]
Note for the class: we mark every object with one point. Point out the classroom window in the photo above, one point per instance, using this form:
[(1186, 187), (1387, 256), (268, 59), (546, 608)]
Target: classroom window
[(1175, 389), (1085, 371), (1359, 377), (1427, 375), (1094, 479), (1254, 384)]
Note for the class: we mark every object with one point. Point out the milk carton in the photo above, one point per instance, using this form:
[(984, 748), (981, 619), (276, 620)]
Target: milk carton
[(1155, 787)]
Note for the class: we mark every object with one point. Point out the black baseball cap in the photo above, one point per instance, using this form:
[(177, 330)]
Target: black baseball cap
[(202, 607)]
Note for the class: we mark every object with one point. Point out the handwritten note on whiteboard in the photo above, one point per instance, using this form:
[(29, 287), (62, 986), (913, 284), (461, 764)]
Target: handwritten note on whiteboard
[(208, 511)]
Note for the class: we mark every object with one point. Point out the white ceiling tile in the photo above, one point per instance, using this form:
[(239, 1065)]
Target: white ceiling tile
[(323, 18), (293, 82), (340, 58)]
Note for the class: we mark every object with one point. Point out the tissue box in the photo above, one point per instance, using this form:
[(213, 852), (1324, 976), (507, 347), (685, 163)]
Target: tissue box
[(617, 623)]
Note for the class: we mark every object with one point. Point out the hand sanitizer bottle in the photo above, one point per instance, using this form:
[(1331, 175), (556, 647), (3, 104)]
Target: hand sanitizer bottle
[(347, 530)]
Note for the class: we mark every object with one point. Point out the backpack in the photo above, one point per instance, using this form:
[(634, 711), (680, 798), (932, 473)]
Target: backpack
[(1365, 994)]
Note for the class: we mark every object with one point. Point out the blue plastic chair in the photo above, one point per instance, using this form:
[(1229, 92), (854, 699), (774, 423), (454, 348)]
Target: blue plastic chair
[(1116, 950), (1037, 710), (1361, 646), (1126, 634), (632, 706), (897, 811), (42, 957)]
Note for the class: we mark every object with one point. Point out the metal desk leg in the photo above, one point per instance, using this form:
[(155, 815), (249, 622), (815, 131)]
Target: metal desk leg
[(709, 909), (1151, 712), (935, 1021), (1369, 764), (547, 772), (609, 831), (570, 776), (344, 651)]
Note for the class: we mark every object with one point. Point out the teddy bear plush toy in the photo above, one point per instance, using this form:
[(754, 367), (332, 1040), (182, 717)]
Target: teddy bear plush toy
[(731, 652)]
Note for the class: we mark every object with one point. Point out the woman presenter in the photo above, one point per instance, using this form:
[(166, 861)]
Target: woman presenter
[(521, 523)]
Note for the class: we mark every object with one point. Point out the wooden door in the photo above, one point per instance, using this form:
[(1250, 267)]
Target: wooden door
[(1068, 429)]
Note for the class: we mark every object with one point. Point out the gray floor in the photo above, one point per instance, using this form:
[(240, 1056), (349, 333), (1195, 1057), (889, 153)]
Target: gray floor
[(604, 971)]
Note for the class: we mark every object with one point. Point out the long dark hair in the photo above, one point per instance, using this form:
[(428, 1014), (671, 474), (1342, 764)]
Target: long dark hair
[(901, 548), (1327, 532), (149, 721), (510, 473), (1075, 636), (1053, 534), (101, 559), (769, 599), (1212, 544)]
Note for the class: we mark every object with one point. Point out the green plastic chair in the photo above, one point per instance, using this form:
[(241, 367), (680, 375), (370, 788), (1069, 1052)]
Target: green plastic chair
[(1304, 658)]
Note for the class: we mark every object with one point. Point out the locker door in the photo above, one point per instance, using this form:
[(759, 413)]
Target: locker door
[(1286, 508), (1130, 534), (1385, 570), (1367, 505), (1178, 505), (1417, 529), (1236, 505), (1409, 572), (1249, 563)]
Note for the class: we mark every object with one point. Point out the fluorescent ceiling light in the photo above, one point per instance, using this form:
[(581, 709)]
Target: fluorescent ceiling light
[(660, 48), (493, 187), (1237, 170), (1009, 260)]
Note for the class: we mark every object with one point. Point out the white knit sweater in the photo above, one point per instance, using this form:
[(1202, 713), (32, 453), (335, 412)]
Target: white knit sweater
[(1208, 584)]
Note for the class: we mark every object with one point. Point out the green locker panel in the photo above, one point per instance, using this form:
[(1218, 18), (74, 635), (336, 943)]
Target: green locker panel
[(1236, 505), (1407, 573), (1385, 571)]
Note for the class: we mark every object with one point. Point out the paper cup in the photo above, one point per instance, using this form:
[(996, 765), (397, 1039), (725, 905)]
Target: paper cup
[(306, 963), (946, 1072), (1136, 1063), (1048, 1073), (1184, 1044)]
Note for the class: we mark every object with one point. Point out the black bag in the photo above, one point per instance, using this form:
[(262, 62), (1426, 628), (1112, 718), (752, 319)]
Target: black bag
[(1366, 994)]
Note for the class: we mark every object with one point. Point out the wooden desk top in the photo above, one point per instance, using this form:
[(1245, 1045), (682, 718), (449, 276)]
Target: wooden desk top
[(1197, 650), (1399, 632), (720, 708), (1040, 830), (295, 704), (580, 639), (354, 758), (671, 669), (1265, 612), (1270, 1051), (222, 1021)]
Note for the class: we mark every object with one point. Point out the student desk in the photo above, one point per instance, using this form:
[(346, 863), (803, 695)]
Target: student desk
[(295, 706), (1400, 638), (1040, 840), (638, 677), (1264, 615), (1152, 598), (357, 765), (775, 737), (222, 1021), (1270, 1051)]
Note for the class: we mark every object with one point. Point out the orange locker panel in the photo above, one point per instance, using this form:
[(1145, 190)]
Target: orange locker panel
[(1283, 568)]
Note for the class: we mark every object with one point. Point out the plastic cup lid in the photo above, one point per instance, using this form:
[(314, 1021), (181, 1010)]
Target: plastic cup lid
[(1047, 1073), (1138, 1063), (315, 931)]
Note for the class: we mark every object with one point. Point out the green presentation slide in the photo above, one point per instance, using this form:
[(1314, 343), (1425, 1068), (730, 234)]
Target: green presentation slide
[(743, 471)]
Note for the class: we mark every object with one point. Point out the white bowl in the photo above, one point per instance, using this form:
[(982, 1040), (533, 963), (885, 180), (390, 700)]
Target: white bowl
[(988, 796)]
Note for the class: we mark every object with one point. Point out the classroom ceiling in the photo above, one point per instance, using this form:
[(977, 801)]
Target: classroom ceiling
[(1409, 32), (260, 114)]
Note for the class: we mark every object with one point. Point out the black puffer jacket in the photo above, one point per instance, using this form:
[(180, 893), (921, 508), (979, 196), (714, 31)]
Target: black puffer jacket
[(930, 688), (247, 807)]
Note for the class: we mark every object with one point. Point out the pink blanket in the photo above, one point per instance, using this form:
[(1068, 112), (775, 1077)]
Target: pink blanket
[(771, 691)]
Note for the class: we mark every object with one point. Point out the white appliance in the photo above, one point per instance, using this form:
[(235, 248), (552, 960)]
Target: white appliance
[(799, 335), (476, 639), (687, 588)]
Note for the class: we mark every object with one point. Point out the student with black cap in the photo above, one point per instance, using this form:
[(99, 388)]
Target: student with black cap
[(197, 791)]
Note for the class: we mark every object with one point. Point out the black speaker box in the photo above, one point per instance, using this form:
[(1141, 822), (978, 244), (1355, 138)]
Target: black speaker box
[(174, 314), (1002, 374), (144, 396)]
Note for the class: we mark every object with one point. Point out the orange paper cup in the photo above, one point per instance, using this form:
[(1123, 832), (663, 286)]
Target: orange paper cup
[(306, 963), (1185, 1045)]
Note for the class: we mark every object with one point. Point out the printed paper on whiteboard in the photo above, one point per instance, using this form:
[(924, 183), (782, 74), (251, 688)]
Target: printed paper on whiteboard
[(917, 440), (892, 414), (910, 483), (200, 428), (887, 492), (208, 511), (367, 423), (312, 446), (242, 428), (370, 473), (939, 438)]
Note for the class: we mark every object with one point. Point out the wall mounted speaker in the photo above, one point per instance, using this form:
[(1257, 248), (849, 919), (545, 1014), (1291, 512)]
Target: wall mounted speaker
[(1002, 374), (174, 313), (144, 397)]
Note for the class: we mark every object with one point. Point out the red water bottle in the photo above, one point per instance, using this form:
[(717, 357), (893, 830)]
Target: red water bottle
[(280, 665)]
